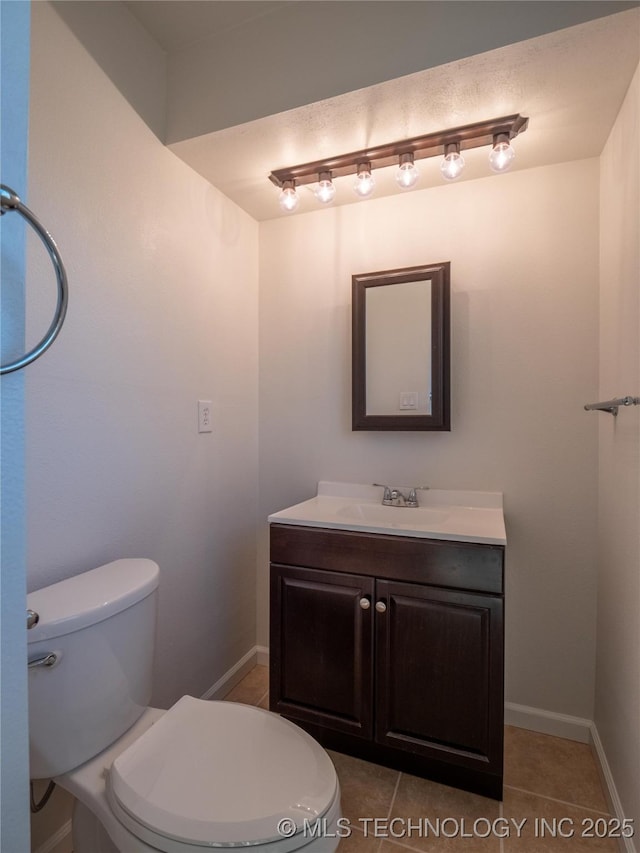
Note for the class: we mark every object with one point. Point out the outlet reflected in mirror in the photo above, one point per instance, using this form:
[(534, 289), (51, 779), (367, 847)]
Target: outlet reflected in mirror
[(401, 349)]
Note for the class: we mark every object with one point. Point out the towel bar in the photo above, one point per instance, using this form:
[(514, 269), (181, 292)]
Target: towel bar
[(612, 406)]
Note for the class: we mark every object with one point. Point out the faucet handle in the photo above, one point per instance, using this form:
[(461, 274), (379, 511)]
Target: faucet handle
[(386, 495), (412, 499)]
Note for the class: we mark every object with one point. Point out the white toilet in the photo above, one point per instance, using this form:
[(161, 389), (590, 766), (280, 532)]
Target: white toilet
[(200, 775)]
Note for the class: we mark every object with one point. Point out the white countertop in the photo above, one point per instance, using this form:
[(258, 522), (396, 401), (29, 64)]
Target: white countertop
[(462, 516)]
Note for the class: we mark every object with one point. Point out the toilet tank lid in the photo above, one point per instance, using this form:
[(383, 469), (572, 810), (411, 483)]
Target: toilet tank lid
[(90, 597)]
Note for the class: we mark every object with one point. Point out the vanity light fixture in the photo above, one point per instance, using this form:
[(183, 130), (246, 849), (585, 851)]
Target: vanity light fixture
[(453, 163), (289, 197), (364, 180), (325, 191), (496, 132), (407, 174), (502, 153)]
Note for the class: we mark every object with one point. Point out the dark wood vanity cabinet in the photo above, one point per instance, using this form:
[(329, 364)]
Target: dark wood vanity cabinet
[(391, 649)]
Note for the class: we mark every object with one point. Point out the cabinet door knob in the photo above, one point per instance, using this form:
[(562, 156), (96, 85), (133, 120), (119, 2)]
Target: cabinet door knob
[(365, 604), (381, 607)]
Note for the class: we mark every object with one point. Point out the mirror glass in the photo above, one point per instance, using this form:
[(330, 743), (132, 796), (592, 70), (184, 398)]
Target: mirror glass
[(401, 349), (398, 349)]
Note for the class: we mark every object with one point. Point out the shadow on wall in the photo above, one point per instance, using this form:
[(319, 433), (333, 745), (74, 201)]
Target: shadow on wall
[(137, 68)]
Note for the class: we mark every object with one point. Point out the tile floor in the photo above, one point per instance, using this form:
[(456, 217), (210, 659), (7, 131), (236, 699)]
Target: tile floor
[(549, 782)]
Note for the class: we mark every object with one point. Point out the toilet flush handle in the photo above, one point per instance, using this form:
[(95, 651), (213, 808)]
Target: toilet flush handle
[(49, 659)]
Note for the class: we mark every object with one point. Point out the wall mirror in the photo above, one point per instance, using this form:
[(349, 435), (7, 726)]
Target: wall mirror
[(400, 367)]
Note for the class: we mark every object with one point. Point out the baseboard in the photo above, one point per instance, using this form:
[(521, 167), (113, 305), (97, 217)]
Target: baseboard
[(257, 655), (234, 675), (626, 845), (578, 729), (547, 722), (59, 842)]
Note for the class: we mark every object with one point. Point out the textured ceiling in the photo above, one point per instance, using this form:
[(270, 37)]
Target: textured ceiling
[(569, 83)]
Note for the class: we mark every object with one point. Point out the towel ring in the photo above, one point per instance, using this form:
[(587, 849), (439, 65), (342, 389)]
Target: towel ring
[(9, 201)]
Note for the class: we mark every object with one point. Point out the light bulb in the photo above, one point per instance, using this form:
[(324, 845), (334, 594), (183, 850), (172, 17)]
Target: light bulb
[(502, 154), (407, 174), (325, 190), (288, 197), (364, 180), (453, 163)]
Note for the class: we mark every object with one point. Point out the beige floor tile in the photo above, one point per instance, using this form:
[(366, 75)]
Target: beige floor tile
[(552, 767), (458, 820), (252, 688), (391, 847), (357, 842), (367, 789), (552, 827), (550, 784)]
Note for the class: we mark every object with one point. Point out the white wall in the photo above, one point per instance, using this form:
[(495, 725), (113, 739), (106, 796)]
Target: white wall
[(524, 267), (617, 713), (163, 311)]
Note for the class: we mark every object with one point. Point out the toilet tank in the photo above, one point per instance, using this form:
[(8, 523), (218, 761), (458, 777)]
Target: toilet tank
[(100, 625)]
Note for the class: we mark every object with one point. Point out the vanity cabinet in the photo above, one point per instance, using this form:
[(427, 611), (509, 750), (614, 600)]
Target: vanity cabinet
[(390, 648)]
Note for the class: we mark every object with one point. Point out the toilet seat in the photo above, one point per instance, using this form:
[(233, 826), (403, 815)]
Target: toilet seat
[(218, 774)]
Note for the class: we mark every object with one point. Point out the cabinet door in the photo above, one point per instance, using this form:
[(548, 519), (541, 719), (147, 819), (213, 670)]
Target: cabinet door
[(439, 673), (321, 667)]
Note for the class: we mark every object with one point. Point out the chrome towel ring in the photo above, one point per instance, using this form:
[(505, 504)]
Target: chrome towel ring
[(9, 201)]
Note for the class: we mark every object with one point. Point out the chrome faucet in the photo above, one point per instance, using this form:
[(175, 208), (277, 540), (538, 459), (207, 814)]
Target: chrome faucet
[(394, 497)]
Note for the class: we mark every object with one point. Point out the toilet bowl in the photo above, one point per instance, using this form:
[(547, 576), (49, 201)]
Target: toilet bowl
[(200, 775)]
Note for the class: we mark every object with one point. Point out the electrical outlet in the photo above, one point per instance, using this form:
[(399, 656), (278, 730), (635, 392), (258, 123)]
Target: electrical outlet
[(408, 400), (204, 416)]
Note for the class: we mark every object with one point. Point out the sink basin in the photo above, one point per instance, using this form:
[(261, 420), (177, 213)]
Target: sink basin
[(393, 515), (462, 516)]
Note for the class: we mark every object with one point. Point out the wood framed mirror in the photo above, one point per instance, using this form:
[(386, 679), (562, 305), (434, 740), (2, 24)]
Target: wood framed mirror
[(401, 349)]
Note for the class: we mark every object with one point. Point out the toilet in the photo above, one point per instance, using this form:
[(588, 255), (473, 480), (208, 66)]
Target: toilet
[(202, 774)]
